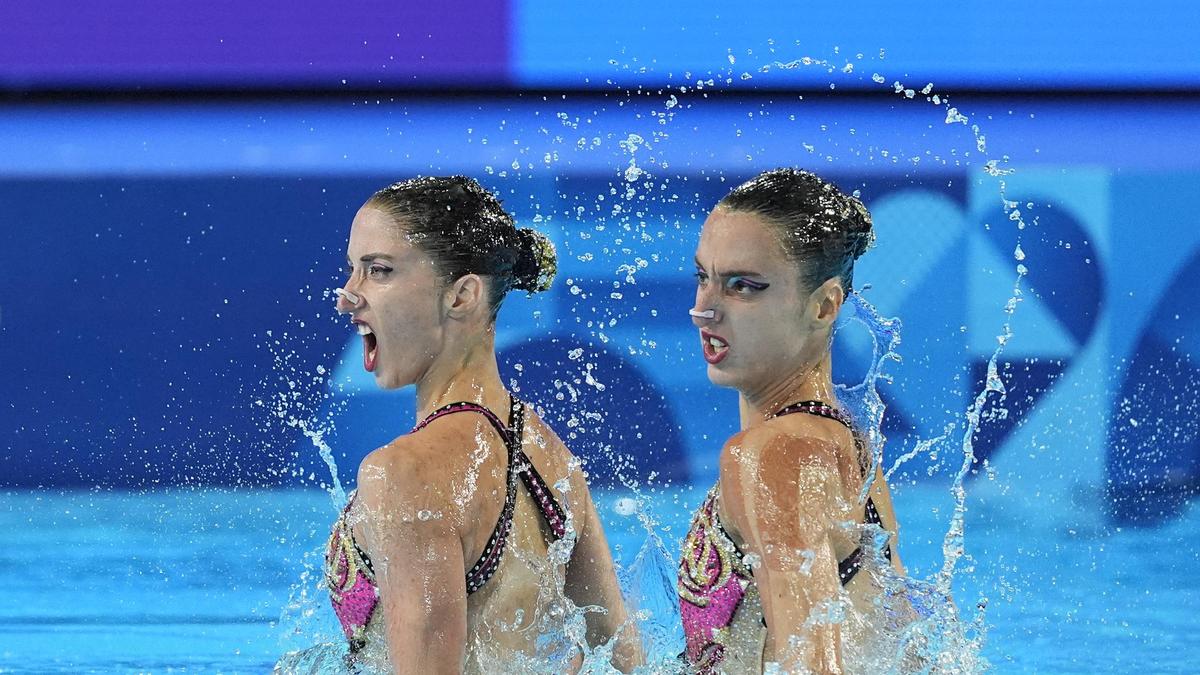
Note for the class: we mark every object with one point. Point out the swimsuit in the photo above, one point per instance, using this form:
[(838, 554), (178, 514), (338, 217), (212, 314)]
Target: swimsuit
[(348, 571), (715, 579)]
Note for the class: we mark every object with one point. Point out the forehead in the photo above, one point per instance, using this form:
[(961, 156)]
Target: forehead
[(374, 231), (739, 240)]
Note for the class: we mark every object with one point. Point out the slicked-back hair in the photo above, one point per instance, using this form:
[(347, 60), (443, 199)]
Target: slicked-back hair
[(821, 229), (465, 230)]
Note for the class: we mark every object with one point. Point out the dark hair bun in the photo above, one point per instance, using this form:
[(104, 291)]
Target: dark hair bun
[(536, 262)]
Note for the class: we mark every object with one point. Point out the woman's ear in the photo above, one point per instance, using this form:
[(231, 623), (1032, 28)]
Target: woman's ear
[(828, 298), (464, 296)]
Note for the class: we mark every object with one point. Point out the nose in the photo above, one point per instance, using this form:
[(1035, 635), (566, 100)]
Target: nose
[(704, 317), (706, 311), (709, 305), (347, 301)]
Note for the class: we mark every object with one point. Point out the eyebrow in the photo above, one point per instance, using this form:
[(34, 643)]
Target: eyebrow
[(735, 273), (371, 257)]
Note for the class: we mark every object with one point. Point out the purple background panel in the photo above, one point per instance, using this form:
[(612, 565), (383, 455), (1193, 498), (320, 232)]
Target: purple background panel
[(273, 43)]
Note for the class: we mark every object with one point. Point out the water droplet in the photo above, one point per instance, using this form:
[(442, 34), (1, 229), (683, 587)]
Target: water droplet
[(955, 117), (993, 168)]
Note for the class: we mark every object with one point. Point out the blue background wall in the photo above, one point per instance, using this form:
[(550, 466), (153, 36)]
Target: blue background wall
[(315, 44), (165, 264)]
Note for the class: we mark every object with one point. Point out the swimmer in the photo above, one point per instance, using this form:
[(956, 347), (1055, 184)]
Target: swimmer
[(440, 561), (767, 551)]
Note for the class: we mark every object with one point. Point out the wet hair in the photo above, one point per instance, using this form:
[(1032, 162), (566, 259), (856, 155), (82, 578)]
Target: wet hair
[(822, 229), (464, 228)]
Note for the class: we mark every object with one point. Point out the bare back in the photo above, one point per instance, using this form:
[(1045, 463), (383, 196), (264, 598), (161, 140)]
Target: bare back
[(463, 464), (504, 614)]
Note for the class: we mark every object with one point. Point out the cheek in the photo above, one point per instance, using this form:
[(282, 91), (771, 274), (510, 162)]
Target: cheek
[(417, 306), (775, 335), (409, 326), (418, 325)]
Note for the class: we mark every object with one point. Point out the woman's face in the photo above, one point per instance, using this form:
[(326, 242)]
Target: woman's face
[(399, 300), (761, 329)]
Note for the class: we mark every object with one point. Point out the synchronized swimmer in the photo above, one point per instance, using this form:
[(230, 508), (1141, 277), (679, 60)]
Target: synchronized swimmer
[(764, 552), (439, 560)]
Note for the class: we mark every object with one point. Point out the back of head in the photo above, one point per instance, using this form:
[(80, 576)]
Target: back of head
[(821, 229), (465, 230)]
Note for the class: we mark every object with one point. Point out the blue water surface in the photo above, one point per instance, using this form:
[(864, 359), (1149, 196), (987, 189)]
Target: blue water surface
[(220, 580)]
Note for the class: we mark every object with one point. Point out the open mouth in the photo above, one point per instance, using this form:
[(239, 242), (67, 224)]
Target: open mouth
[(715, 347), (370, 346)]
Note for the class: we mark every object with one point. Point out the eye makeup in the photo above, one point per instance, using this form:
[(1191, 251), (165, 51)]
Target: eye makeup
[(738, 282)]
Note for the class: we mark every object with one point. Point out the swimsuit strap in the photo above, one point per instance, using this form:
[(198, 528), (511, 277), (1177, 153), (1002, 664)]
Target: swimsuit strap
[(739, 558), (465, 406), (818, 408), (489, 560), (552, 512), (344, 523)]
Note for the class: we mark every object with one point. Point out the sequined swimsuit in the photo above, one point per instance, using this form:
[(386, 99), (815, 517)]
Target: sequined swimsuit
[(348, 571), (715, 579)]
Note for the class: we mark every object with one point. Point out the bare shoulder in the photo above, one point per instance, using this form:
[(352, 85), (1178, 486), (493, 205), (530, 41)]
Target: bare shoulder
[(771, 449), (401, 464), (773, 479), (416, 470)]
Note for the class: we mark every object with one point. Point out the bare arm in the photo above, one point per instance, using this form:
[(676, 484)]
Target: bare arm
[(416, 551), (788, 513), (592, 580)]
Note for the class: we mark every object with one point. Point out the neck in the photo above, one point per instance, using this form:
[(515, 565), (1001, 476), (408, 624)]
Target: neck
[(465, 372), (813, 382)]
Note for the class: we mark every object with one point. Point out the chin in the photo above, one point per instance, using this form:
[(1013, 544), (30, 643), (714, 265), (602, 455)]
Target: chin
[(389, 381), (720, 377)]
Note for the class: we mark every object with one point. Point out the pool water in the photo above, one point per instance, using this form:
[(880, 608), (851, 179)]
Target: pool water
[(227, 580)]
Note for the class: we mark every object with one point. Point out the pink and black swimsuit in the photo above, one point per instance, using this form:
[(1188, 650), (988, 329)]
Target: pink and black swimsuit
[(348, 571), (715, 579)]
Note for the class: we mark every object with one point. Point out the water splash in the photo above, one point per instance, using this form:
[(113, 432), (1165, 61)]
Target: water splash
[(914, 624), (317, 436), (952, 545), (648, 585)]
